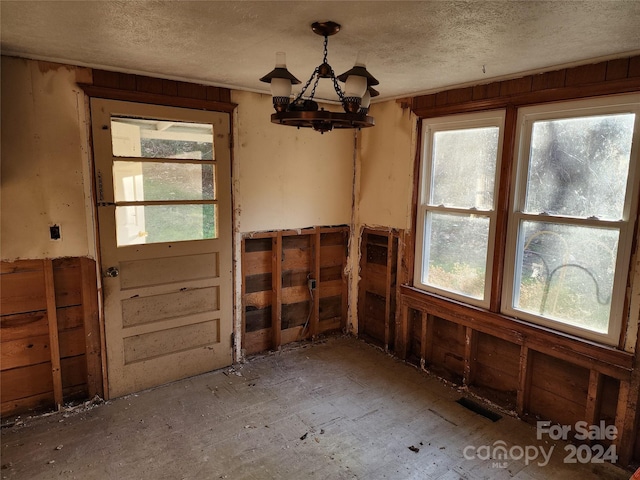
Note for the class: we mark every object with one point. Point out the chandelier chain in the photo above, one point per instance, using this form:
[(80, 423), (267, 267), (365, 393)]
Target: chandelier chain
[(304, 89), (336, 86), (326, 50), (315, 84)]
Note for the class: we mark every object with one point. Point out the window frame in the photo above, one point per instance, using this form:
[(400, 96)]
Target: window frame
[(527, 115), (430, 126), (140, 204)]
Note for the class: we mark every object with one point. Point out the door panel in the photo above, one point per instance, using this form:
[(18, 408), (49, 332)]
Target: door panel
[(165, 241)]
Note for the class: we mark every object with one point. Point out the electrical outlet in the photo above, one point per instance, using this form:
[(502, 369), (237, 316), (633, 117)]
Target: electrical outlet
[(312, 284), (54, 232)]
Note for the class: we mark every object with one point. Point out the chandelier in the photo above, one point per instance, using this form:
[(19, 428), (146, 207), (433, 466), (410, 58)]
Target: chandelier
[(303, 111)]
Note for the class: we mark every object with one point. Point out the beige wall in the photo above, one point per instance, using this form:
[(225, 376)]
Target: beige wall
[(288, 178), (284, 178), (386, 167), (44, 162)]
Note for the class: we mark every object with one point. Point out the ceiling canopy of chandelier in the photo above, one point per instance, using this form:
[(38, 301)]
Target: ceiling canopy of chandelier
[(303, 111)]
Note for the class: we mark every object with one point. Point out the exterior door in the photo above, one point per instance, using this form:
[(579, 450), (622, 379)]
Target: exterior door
[(164, 211)]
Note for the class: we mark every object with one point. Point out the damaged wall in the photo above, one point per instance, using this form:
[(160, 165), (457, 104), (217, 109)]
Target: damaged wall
[(285, 178), (45, 163), (386, 167), (384, 184), (288, 178)]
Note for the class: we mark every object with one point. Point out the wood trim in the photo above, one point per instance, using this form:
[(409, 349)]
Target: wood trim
[(627, 415), (315, 268), (502, 208), (346, 235), (614, 87), (243, 291), (607, 360), (402, 333), (362, 292), (594, 397), (52, 320), (410, 252), (387, 297), (156, 99), (428, 339), (624, 422), (425, 340), (276, 281), (524, 382), (470, 354), (92, 332)]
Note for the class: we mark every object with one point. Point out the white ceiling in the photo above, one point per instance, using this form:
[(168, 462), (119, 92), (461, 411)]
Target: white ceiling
[(411, 46)]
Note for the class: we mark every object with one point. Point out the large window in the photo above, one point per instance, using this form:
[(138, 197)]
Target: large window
[(456, 212), (572, 210)]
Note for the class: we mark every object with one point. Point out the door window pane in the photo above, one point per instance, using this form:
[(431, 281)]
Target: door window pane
[(457, 253), (464, 167), (579, 167), (153, 181), (137, 137), (566, 273), (165, 223)]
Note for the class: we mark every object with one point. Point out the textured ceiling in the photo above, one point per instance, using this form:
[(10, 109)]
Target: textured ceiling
[(412, 47)]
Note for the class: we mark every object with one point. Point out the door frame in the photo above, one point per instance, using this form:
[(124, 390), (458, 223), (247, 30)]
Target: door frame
[(107, 85)]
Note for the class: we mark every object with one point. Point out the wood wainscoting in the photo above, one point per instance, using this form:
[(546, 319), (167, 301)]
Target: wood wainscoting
[(50, 334)]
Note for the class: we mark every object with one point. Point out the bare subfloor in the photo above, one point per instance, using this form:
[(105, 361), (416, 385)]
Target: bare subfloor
[(339, 409)]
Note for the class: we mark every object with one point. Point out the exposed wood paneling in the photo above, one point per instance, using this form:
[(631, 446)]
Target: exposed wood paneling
[(586, 74), (515, 86), (548, 80), (634, 67), (277, 267), (22, 291), (51, 347), (257, 318), (142, 89), (604, 78), (607, 360), (377, 289), (565, 382), (26, 351), (23, 326), (617, 69), (26, 381)]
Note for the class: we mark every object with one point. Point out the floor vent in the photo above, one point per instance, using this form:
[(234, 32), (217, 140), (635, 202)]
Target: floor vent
[(479, 409)]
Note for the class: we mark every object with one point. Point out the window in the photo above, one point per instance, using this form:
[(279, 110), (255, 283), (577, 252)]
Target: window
[(456, 211), (164, 177), (571, 225), (571, 213)]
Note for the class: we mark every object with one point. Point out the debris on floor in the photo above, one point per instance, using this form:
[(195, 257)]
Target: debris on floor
[(414, 449), (232, 371)]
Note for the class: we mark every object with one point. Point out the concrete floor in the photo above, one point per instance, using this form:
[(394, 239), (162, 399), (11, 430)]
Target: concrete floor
[(339, 409)]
